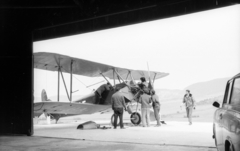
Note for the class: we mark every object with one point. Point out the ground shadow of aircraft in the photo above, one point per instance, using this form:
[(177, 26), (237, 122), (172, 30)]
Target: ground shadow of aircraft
[(87, 104)]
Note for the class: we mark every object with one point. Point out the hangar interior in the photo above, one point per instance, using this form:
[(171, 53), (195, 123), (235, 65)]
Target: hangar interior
[(25, 22)]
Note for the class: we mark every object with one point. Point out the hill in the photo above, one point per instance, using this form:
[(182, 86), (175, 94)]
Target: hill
[(201, 90), (209, 88)]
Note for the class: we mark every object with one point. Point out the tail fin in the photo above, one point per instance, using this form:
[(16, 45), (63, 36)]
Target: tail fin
[(44, 96)]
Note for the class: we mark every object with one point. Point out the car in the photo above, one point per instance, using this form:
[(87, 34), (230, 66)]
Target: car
[(226, 122)]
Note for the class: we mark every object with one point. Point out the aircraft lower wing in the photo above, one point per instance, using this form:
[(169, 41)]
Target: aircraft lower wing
[(68, 108)]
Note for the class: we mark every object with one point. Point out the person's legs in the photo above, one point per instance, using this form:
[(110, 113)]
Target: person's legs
[(148, 117), (121, 117), (190, 114), (187, 111), (115, 117), (143, 117), (156, 113), (160, 118), (97, 97)]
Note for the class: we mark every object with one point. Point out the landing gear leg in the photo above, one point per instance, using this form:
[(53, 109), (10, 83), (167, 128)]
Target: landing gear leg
[(56, 120)]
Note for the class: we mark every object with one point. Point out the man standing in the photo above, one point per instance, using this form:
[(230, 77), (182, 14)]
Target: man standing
[(100, 90), (146, 103), (190, 105), (156, 107), (118, 104)]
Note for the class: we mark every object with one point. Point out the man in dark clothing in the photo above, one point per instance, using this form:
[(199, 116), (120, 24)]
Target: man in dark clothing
[(100, 90), (156, 107), (118, 104), (144, 85)]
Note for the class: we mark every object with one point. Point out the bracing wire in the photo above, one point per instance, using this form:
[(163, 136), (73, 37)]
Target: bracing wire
[(79, 81)]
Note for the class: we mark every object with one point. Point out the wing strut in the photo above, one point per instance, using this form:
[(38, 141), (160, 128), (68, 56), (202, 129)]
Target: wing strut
[(132, 77), (120, 77), (58, 83), (105, 79), (64, 84), (154, 77), (127, 75), (114, 77), (71, 81)]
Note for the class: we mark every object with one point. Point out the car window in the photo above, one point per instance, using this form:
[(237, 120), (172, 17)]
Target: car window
[(228, 92), (235, 99)]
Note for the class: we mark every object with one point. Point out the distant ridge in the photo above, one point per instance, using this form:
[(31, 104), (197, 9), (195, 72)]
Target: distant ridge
[(200, 90), (208, 88)]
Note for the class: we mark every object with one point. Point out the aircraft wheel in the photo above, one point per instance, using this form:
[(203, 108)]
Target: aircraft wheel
[(135, 118), (112, 121)]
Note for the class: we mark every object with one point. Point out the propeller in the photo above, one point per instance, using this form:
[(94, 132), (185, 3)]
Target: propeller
[(150, 86)]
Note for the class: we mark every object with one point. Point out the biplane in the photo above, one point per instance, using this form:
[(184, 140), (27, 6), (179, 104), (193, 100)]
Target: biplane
[(123, 78)]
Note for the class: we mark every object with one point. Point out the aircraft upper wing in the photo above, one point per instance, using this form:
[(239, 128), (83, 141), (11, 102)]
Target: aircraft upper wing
[(136, 74), (52, 61)]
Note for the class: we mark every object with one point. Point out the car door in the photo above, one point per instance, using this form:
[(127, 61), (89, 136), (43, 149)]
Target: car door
[(231, 118), (219, 117)]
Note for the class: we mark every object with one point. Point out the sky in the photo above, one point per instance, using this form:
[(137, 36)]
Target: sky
[(192, 48)]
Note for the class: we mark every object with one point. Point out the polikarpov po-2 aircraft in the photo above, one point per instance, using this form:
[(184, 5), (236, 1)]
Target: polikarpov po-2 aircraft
[(86, 104)]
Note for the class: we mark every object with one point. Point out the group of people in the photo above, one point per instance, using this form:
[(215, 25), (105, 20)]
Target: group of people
[(147, 102), (148, 99)]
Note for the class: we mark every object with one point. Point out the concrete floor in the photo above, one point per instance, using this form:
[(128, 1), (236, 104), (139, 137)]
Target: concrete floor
[(35, 143), (175, 136)]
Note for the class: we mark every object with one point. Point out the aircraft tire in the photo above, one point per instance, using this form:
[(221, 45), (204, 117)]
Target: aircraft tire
[(112, 121), (135, 118)]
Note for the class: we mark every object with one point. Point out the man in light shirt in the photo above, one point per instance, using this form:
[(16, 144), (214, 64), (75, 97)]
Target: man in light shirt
[(146, 104)]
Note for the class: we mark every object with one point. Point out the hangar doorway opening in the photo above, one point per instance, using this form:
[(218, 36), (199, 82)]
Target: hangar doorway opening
[(186, 46)]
